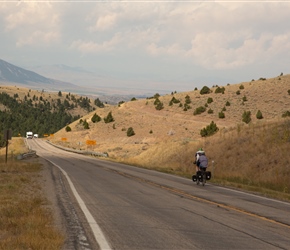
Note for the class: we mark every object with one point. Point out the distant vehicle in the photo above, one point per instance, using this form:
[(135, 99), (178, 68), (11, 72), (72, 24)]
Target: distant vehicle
[(29, 135), (35, 135)]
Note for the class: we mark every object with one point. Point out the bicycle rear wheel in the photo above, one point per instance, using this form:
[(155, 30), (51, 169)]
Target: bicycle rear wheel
[(203, 178)]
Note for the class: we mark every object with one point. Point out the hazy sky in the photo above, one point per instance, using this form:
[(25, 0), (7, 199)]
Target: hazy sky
[(161, 43)]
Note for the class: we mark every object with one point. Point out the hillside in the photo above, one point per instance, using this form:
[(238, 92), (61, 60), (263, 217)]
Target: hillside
[(253, 156), (172, 123), (44, 113)]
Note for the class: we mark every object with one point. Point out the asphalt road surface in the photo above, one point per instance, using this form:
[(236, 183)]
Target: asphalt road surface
[(125, 207)]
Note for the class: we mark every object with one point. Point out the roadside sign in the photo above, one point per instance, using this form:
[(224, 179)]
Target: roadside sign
[(7, 134), (91, 142)]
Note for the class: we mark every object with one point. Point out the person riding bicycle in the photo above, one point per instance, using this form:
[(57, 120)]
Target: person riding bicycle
[(197, 155), (202, 162)]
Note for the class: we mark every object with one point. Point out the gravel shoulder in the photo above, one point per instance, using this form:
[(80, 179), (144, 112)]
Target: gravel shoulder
[(69, 220)]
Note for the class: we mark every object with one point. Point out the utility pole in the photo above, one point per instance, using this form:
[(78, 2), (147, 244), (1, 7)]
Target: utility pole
[(7, 136)]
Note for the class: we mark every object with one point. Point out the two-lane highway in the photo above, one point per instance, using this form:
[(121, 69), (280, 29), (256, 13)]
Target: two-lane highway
[(134, 208)]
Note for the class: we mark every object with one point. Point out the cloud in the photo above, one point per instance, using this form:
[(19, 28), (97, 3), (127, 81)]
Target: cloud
[(210, 35), (38, 38), (171, 50), (32, 23), (214, 35), (94, 47), (104, 22)]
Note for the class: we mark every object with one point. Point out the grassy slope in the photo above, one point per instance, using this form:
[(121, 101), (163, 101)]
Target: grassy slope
[(253, 154), (24, 213)]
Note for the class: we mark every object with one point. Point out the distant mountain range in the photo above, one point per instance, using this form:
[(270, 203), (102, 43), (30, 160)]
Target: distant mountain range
[(17, 76), (11, 74)]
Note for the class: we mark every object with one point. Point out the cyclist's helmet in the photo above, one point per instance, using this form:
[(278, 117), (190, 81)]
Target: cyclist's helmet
[(200, 151)]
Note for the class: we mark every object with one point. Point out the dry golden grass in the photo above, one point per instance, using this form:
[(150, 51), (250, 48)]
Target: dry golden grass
[(176, 134), (172, 123), (167, 139), (15, 146), (25, 223), (255, 155)]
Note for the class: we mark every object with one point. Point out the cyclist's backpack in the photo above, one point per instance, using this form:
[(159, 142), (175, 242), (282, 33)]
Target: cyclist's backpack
[(202, 161)]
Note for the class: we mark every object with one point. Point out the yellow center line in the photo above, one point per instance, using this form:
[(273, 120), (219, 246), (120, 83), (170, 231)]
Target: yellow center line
[(193, 197)]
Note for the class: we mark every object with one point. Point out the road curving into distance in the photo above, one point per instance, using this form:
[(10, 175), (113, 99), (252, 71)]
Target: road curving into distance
[(126, 207)]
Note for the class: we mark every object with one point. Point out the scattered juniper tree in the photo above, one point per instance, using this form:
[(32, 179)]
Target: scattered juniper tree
[(220, 90), (209, 100), (205, 90), (120, 103), (259, 115), (159, 106), (246, 117), (156, 101), (96, 118), (68, 129), (209, 130), (157, 95), (199, 110), (286, 114), (86, 125), (109, 118), (222, 115), (130, 132), (173, 100), (210, 111), (187, 99), (98, 103)]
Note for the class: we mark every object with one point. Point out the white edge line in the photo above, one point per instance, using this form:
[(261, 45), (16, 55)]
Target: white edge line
[(254, 195), (244, 192), (99, 236)]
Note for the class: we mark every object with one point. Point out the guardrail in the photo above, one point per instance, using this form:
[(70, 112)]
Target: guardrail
[(31, 153), (84, 152)]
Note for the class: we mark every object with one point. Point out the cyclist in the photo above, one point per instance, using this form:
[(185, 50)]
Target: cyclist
[(202, 162), (197, 155)]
